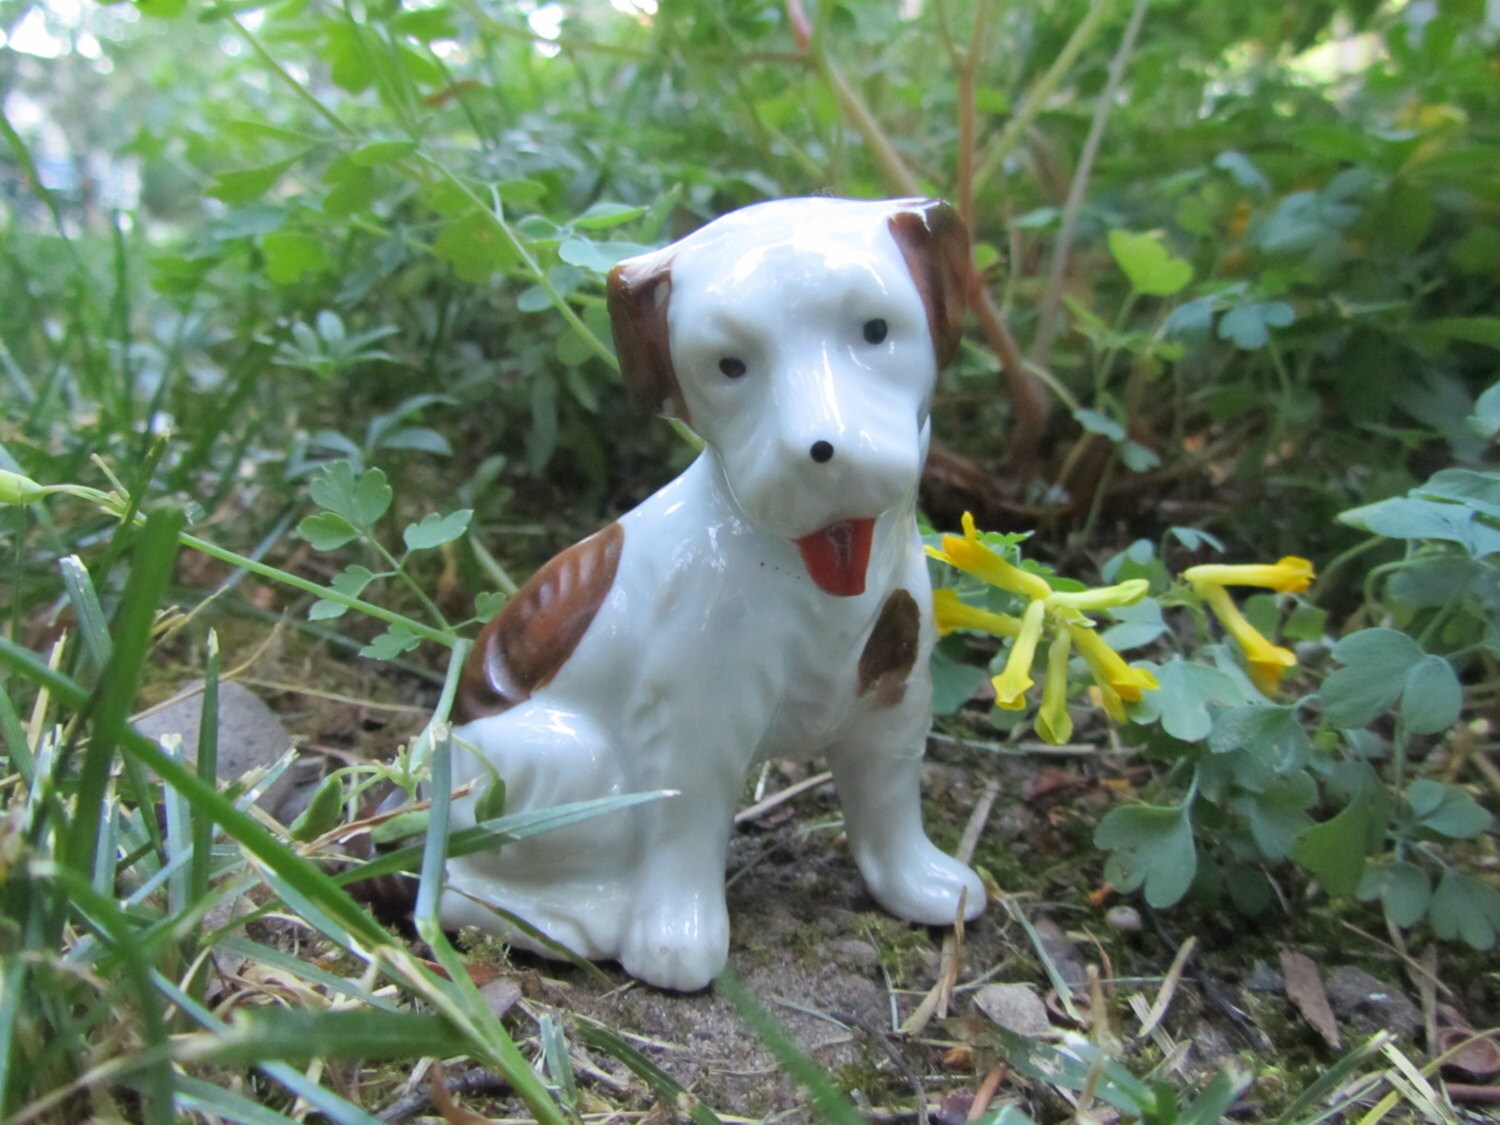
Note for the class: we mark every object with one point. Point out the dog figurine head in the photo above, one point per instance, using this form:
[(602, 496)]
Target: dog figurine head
[(752, 330)]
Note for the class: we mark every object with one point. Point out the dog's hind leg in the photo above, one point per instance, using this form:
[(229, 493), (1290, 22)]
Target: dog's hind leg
[(877, 769), (568, 882)]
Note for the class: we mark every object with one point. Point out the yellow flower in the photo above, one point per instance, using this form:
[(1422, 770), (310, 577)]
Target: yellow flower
[(1108, 700), (973, 557), (1291, 575), (1053, 722), (1266, 662), (949, 614), (1104, 597), (16, 489), (1110, 671), (1012, 684)]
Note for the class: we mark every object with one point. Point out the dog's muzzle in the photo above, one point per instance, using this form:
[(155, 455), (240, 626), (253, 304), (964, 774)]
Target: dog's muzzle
[(837, 556)]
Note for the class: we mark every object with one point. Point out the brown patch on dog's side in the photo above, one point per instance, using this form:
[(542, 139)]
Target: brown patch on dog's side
[(936, 248), (891, 651), (638, 297), (525, 644)]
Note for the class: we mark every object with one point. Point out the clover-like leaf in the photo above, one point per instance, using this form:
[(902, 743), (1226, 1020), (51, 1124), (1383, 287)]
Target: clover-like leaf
[(1464, 907), (1376, 662), (1431, 698), (1150, 846), (1335, 850), (1404, 891), (391, 644), (1183, 699), (327, 531), (1446, 809), (1273, 733), (351, 582), (1146, 262), (435, 529), (1248, 326), (361, 502), (1278, 815)]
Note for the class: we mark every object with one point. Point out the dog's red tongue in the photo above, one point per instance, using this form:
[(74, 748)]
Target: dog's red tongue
[(837, 556)]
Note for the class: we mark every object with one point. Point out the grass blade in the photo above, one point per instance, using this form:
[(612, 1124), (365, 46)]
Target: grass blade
[(297, 1035), (662, 1084), (208, 769), (91, 621), (14, 736), (215, 1101), (152, 568), (831, 1105)]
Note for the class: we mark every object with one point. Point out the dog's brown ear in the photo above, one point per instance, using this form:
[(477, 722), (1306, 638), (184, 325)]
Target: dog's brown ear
[(936, 248), (638, 292)]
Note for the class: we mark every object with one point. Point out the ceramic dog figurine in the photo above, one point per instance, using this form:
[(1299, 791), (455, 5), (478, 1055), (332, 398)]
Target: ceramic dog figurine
[(772, 601)]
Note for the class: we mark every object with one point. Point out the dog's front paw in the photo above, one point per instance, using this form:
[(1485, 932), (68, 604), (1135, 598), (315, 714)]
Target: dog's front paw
[(924, 884), (679, 945)]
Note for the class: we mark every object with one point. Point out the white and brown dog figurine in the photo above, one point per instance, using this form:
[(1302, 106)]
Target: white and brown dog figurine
[(772, 601)]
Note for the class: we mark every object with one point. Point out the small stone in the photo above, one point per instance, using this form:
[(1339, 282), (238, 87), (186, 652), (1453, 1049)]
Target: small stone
[(250, 735), (1124, 919), (1263, 978), (1370, 1004), (855, 954), (1015, 1007), (500, 995)]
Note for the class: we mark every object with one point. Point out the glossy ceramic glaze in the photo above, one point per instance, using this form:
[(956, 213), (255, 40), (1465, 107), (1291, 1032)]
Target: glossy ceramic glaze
[(772, 601)]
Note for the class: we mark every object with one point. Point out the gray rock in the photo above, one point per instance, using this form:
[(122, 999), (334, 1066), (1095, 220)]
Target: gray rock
[(250, 735), (1370, 1004)]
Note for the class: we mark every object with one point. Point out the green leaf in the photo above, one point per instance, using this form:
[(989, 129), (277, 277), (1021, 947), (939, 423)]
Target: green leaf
[(323, 812), (435, 530), (391, 644), (1135, 625), (1152, 846), (301, 1035), (1150, 269), (953, 681), (382, 152), (475, 248), (1483, 330), (290, 256), (491, 602), (1447, 809), (1410, 517), (1183, 700), (1474, 488), (1278, 816), (1334, 851), (361, 502), (1376, 664), (1273, 733), (1432, 698), (602, 216), (1249, 325), (327, 531), (1102, 424), (1485, 421), (1403, 889), (1464, 907), (246, 185)]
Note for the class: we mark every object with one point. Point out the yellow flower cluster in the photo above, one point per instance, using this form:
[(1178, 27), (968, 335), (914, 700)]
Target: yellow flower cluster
[(1116, 682), (1265, 661)]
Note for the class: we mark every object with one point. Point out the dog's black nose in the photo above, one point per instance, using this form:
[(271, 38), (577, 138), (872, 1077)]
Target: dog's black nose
[(822, 451)]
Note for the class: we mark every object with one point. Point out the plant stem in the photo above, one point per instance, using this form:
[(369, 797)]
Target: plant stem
[(1042, 89), (1041, 351), (302, 92)]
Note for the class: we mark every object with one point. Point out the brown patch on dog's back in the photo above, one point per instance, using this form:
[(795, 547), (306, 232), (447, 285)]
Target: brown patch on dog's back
[(891, 651), (638, 295), (525, 644), (935, 245)]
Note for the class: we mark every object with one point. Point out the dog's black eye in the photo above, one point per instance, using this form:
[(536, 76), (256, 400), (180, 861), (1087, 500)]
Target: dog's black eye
[(875, 331), (731, 367)]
